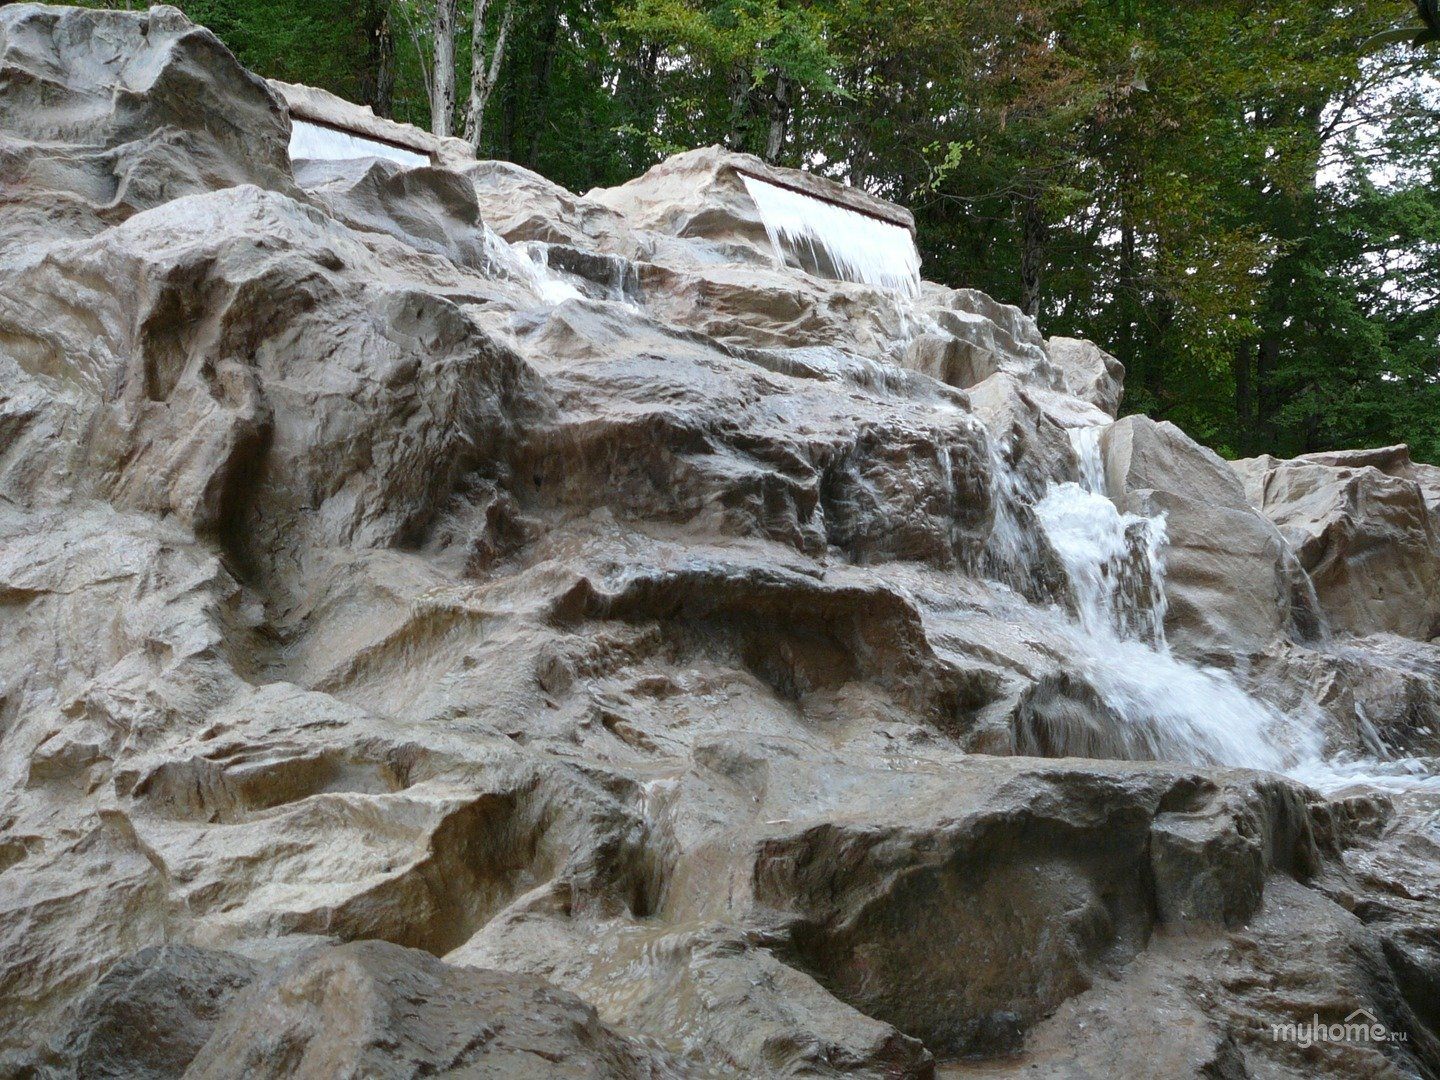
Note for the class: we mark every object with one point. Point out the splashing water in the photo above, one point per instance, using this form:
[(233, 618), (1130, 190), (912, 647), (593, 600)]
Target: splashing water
[(1138, 700), (1111, 559), (516, 264), (316, 142), (835, 241), (594, 274)]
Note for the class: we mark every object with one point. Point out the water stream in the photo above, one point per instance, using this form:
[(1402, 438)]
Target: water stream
[(833, 241), (1148, 703)]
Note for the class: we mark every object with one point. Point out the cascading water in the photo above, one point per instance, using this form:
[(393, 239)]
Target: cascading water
[(1111, 559), (597, 275), (1139, 700), (1148, 703), (834, 241)]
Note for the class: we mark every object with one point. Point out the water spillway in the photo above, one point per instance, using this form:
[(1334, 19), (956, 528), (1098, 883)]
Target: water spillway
[(829, 240), (319, 142)]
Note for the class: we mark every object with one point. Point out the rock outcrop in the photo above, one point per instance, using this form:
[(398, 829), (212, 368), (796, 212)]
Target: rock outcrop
[(454, 626), (1365, 532), (1232, 582), (1089, 372)]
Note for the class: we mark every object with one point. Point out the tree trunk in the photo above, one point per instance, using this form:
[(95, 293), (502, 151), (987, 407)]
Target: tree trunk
[(1034, 233), (541, 95), (1128, 296), (779, 118), (1267, 396), (1244, 399), (442, 93), (377, 85), (483, 76), (739, 94)]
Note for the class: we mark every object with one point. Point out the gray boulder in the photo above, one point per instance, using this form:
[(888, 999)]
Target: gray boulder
[(1363, 529), (112, 113), (1231, 580)]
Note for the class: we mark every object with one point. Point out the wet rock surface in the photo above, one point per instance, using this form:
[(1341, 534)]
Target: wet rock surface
[(453, 626)]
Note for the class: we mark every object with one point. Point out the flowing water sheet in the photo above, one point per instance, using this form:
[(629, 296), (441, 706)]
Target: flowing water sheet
[(834, 241)]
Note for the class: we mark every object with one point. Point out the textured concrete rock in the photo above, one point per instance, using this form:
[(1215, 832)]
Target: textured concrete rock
[(1364, 532), (1090, 373), (374, 1009), (1232, 582), (522, 205), (110, 114), (412, 572), (1381, 692), (702, 194)]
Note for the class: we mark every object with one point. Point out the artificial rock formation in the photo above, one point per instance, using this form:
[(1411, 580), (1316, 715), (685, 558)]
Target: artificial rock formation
[(454, 626), (1364, 530)]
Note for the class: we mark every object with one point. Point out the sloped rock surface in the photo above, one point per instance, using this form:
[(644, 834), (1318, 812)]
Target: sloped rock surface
[(454, 626), (1232, 582), (1362, 528), (1089, 372)]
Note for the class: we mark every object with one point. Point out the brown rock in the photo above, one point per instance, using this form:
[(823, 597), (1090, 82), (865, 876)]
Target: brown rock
[(1362, 528), (617, 608), (108, 113), (374, 1009), (1231, 580)]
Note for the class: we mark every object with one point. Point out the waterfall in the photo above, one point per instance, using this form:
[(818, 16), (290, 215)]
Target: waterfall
[(514, 262), (1140, 701), (594, 274), (828, 240), (1112, 560), (314, 141), (1135, 699)]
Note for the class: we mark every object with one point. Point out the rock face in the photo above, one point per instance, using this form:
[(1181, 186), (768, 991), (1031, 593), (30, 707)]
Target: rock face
[(453, 626), (1364, 531), (1231, 580)]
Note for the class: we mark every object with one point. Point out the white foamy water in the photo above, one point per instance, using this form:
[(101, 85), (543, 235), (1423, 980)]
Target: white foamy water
[(1147, 703), (316, 142), (1111, 559), (608, 277), (1152, 705), (517, 264), (835, 241)]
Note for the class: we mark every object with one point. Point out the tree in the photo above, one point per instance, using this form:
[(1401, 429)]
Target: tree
[(762, 52), (485, 72)]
